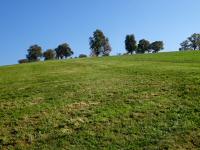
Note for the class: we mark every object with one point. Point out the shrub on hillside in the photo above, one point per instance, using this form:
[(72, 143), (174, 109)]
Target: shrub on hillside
[(82, 56), (22, 61)]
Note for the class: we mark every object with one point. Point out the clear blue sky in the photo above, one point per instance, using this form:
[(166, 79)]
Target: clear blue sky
[(52, 22)]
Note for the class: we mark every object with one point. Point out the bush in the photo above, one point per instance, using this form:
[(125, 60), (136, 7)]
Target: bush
[(82, 56), (22, 61)]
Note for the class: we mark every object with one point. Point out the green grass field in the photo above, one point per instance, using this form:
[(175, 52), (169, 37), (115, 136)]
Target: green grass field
[(149, 101)]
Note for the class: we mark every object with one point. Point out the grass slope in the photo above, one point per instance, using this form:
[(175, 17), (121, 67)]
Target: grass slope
[(149, 101)]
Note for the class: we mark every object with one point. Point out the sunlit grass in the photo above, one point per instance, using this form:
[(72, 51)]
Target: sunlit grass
[(149, 101)]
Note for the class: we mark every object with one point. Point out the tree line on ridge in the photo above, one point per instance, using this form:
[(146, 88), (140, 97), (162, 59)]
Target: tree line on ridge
[(99, 46)]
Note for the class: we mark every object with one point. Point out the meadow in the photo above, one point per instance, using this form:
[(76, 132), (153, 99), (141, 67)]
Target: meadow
[(147, 101)]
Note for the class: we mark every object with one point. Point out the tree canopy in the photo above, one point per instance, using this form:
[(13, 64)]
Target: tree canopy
[(63, 51), (130, 44), (157, 46), (49, 54), (185, 45), (107, 48), (192, 43), (99, 44), (143, 46), (34, 53)]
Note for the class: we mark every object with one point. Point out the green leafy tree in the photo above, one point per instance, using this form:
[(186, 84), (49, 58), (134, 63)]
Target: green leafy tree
[(49, 54), (143, 46), (130, 44), (99, 44), (63, 51), (157, 46), (185, 45), (34, 53), (107, 48), (194, 40)]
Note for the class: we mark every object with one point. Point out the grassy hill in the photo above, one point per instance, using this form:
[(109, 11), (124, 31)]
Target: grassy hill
[(149, 101)]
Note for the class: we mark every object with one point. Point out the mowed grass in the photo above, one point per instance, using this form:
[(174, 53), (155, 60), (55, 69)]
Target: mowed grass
[(149, 101)]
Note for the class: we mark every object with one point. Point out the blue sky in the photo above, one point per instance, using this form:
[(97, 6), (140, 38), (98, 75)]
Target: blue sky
[(52, 22)]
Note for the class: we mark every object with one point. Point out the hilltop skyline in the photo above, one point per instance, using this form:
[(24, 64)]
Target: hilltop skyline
[(50, 23)]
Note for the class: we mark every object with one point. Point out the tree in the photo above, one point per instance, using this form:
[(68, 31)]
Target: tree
[(99, 44), (185, 45), (82, 56), (192, 43), (194, 40), (157, 46), (143, 46), (63, 51), (34, 53), (49, 54), (130, 43), (107, 48)]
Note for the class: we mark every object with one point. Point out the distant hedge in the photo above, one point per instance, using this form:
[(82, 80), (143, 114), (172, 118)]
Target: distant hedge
[(82, 56), (22, 61)]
